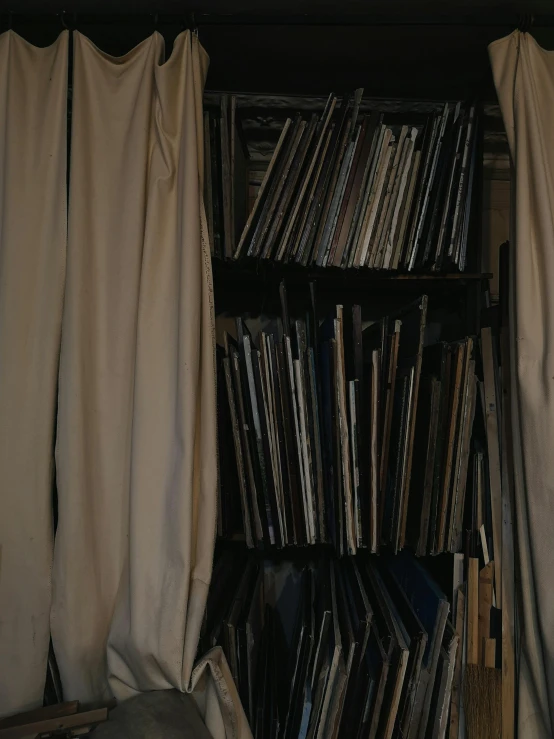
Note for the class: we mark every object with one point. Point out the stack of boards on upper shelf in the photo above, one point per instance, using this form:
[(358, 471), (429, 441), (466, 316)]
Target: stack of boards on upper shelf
[(357, 647), (352, 433), (346, 188)]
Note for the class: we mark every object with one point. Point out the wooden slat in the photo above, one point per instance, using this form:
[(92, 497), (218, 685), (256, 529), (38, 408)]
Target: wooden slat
[(46, 726), (491, 413), (485, 603), (473, 611), (507, 564), (457, 681), (40, 714), (489, 650)]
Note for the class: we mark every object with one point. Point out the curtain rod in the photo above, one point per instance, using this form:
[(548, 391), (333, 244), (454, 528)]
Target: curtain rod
[(508, 21)]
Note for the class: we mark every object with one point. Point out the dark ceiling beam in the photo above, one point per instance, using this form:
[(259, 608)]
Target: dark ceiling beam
[(487, 18)]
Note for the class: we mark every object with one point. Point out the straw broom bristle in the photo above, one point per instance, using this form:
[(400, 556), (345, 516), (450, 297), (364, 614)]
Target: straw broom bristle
[(482, 702)]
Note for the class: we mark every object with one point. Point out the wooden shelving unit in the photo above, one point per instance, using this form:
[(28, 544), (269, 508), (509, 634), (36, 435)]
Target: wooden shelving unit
[(249, 287)]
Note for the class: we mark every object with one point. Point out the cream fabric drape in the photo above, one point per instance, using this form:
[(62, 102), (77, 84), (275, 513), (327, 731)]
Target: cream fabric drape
[(33, 94), (136, 446), (524, 78)]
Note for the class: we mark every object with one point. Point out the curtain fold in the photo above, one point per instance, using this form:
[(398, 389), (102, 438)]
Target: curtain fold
[(136, 445), (33, 153), (524, 78)]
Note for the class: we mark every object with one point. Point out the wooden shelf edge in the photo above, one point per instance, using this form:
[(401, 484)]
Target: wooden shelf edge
[(259, 270)]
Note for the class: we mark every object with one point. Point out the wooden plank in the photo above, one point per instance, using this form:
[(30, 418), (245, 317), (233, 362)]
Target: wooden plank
[(484, 545), (457, 681), (40, 714), (507, 564), (493, 448), (489, 650), (473, 611), (412, 420), (480, 491), (485, 603), (55, 724)]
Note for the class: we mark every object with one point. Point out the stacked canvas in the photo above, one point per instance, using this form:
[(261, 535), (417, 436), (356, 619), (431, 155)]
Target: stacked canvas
[(359, 647), (346, 189), (349, 432)]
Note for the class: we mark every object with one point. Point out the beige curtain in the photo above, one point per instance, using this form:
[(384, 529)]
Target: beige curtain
[(136, 445), (33, 94), (524, 78)]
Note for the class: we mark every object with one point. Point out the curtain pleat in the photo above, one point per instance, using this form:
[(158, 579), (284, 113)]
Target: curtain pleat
[(524, 78), (136, 446), (33, 149)]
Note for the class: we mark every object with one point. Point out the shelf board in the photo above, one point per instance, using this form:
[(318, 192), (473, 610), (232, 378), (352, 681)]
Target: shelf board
[(252, 287), (254, 270), (440, 565)]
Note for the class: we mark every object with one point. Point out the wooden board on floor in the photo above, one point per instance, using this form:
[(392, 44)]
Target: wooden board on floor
[(49, 725), (40, 714)]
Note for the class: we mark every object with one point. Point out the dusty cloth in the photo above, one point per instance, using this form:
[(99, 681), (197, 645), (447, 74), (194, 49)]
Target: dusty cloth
[(524, 78), (136, 456), (161, 714), (136, 438), (33, 202)]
